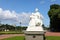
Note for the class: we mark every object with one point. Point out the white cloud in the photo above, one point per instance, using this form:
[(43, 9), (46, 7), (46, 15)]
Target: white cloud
[(42, 2), (7, 15), (53, 0), (24, 17)]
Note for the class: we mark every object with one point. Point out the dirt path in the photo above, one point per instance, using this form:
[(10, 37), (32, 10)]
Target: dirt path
[(52, 33), (46, 34)]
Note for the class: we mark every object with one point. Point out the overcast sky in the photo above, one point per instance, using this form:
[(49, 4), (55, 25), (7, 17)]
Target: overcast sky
[(15, 11)]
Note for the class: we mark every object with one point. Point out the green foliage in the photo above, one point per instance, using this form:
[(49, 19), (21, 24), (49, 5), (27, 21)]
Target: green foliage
[(45, 28), (4, 27), (55, 6), (54, 15), (54, 10), (21, 28)]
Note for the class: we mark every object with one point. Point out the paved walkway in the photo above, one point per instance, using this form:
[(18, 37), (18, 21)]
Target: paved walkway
[(46, 34)]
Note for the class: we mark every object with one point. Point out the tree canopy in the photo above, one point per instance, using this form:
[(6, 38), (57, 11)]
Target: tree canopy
[(54, 15), (4, 27)]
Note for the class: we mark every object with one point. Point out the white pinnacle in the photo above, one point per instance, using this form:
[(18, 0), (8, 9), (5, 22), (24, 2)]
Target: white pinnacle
[(36, 9)]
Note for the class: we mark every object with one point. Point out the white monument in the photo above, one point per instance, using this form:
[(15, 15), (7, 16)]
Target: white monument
[(35, 30), (36, 21)]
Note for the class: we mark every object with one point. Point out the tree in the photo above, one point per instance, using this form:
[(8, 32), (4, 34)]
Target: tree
[(54, 15), (4, 27)]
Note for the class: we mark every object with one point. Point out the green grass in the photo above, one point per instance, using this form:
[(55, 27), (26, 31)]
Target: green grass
[(10, 32), (53, 37), (22, 38), (15, 38)]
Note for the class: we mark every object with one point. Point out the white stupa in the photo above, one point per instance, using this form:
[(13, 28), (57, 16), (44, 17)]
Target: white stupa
[(36, 22)]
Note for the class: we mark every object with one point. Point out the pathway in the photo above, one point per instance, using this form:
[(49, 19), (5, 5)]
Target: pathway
[(46, 34), (52, 33)]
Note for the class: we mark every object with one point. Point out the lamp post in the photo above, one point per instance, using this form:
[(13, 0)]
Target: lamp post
[(20, 27), (20, 23)]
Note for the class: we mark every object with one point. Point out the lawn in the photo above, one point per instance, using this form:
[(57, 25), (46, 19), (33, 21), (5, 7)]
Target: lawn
[(10, 32), (22, 38), (15, 38), (53, 37)]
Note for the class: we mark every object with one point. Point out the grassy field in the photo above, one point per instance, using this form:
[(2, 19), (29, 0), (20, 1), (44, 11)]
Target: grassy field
[(53, 37), (22, 38), (10, 32), (15, 38)]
